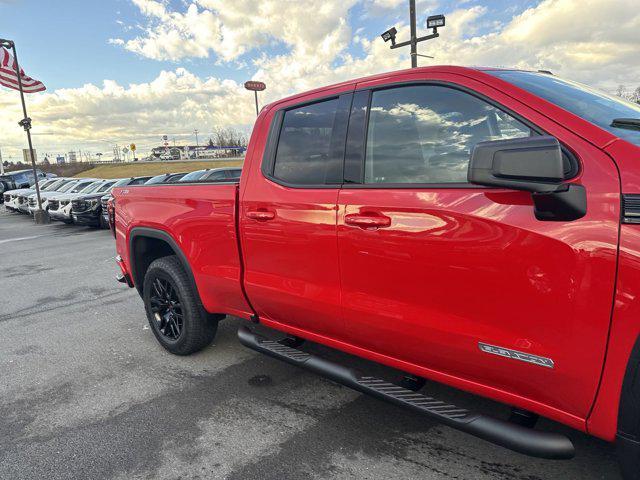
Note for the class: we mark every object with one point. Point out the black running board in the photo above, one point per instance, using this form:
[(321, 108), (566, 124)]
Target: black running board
[(509, 435)]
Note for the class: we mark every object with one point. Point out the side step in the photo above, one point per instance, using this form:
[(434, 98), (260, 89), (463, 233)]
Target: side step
[(510, 435)]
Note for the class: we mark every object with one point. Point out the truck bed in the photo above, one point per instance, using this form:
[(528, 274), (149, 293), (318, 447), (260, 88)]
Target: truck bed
[(201, 221)]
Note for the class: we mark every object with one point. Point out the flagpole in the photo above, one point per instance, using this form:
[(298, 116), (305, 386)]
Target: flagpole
[(40, 216)]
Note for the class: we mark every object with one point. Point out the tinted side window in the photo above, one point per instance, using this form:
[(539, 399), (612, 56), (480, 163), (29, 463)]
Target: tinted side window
[(425, 134), (304, 153)]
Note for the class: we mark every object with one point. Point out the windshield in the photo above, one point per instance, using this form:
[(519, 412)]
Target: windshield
[(175, 177), (190, 177), (92, 187), (157, 179), (123, 182), (44, 184), (66, 185), (593, 105), (105, 187)]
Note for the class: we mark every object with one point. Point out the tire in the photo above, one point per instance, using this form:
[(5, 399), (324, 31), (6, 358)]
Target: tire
[(196, 327)]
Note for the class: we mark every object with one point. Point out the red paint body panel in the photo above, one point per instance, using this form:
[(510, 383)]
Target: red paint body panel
[(625, 329), (201, 220), (453, 267), (625, 326), (291, 262), (462, 266)]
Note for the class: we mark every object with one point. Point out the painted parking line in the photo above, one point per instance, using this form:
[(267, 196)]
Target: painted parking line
[(20, 238)]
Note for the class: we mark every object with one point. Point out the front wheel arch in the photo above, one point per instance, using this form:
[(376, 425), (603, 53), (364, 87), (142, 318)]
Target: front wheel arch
[(628, 436)]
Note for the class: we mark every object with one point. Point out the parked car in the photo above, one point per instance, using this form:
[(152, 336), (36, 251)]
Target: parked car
[(10, 196), (22, 199), (212, 174), (86, 209), (475, 227), (104, 215), (165, 178), (69, 185), (18, 179), (60, 205)]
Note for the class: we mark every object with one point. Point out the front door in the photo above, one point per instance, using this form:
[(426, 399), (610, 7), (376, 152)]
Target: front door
[(463, 281)]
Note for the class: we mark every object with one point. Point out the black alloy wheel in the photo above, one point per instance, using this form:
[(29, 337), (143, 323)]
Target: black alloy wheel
[(175, 314), (167, 309)]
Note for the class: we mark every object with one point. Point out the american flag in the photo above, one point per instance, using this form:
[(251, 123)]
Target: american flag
[(9, 78)]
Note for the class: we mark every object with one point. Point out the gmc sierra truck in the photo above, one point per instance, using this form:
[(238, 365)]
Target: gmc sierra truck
[(475, 227)]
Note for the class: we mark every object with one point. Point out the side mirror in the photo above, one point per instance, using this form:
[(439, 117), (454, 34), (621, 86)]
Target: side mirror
[(532, 164)]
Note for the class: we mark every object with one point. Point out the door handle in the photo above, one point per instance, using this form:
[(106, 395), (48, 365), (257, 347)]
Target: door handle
[(261, 215), (367, 221)]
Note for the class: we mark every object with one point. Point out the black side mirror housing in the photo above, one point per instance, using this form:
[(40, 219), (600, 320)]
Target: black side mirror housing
[(532, 164)]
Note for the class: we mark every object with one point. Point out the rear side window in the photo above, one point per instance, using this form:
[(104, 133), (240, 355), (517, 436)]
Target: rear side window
[(304, 151), (424, 134)]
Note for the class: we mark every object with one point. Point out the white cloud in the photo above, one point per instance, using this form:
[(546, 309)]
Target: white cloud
[(96, 117), (230, 29), (594, 41), (589, 40)]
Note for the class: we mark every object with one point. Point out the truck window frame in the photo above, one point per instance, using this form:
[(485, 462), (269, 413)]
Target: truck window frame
[(339, 137), (356, 143)]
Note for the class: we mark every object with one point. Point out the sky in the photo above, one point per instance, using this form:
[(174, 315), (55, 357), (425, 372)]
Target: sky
[(131, 71)]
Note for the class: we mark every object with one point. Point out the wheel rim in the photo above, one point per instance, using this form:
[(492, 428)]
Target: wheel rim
[(166, 308)]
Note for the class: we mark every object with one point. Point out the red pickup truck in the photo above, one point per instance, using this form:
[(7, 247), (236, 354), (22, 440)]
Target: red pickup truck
[(475, 227)]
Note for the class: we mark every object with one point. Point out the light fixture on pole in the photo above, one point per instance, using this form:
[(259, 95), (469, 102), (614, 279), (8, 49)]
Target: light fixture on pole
[(390, 35), (434, 22)]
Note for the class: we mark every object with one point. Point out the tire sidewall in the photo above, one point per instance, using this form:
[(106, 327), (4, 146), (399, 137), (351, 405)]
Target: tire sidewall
[(185, 300)]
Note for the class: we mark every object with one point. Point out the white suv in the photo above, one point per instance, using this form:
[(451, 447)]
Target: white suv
[(71, 185)]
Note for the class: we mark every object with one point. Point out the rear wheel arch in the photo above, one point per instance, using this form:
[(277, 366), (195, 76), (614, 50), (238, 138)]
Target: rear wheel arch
[(149, 244)]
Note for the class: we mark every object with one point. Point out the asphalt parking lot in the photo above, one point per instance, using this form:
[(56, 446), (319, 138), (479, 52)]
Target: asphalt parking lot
[(86, 392)]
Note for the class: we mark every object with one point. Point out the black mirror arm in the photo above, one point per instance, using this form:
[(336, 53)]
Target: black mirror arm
[(565, 204)]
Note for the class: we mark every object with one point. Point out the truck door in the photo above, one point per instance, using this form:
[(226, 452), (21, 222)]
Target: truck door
[(462, 281), (288, 215)]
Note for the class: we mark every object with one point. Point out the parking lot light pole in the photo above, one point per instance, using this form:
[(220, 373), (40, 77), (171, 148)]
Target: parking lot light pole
[(414, 35), (433, 22)]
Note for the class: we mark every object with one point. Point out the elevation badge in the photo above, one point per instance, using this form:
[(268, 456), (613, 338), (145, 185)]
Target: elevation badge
[(516, 355)]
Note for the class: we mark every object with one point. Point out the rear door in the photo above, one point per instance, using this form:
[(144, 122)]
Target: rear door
[(462, 281), (288, 215)]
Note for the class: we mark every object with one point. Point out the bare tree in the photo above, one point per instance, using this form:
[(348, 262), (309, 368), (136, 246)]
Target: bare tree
[(622, 91)]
